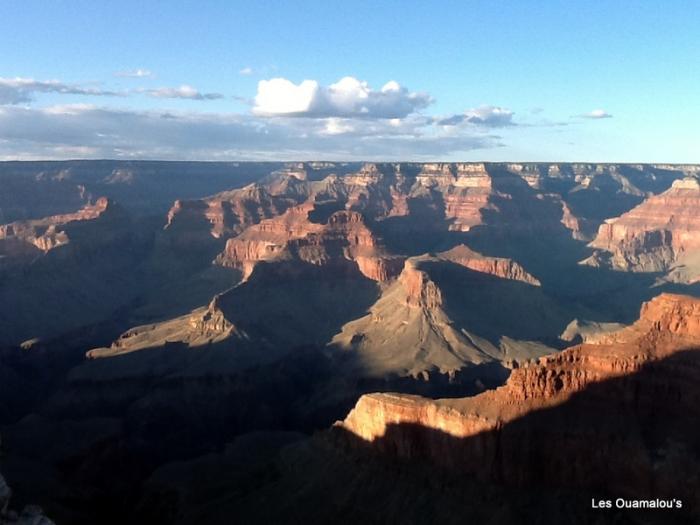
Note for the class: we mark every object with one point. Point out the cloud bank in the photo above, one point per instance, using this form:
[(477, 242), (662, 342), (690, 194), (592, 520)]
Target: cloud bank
[(345, 120), (85, 131)]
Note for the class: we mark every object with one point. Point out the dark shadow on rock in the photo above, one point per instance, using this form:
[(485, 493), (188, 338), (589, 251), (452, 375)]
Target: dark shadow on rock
[(635, 437), (421, 230), (632, 437), (492, 307), (293, 303)]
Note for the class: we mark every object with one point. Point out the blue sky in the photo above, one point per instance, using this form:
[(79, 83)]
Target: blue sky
[(576, 80)]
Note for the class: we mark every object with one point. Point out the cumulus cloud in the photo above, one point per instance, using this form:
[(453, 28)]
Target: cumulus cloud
[(345, 120), (184, 91), (349, 97), (596, 114), (134, 73), (487, 116), (19, 90), (246, 71), (87, 131)]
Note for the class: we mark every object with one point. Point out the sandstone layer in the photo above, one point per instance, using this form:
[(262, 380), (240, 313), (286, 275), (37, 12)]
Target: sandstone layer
[(28, 239), (614, 416), (292, 236), (437, 317), (652, 237), (498, 266), (455, 197)]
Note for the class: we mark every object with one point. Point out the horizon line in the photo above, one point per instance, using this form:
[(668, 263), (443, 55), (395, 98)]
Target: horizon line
[(7, 161)]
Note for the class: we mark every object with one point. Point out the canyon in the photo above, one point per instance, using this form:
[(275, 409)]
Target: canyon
[(656, 236), (217, 335), (496, 435)]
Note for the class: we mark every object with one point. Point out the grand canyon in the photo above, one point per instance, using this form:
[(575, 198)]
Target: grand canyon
[(348, 342)]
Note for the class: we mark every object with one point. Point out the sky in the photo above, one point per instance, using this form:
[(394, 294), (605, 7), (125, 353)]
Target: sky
[(576, 80)]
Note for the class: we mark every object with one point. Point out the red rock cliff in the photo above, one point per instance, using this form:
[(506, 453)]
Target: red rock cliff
[(658, 232), (611, 416)]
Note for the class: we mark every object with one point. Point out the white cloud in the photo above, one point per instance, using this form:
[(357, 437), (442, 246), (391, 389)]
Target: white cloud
[(69, 109), (337, 126), (349, 97), (85, 131), (19, 90), (596, 114), (246, 71), (488, 116), (135, 73), (184, 91), (279, 96)]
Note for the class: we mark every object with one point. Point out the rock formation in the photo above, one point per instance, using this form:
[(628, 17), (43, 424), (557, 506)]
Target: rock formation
[(407, 332), (500, 267), (654, 236), (272, 295), (612, 416), (292, 235), (28, 239), (203, 327), (422, 325)]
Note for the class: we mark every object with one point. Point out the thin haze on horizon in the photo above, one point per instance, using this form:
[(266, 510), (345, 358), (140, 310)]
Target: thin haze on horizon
[(587, 81)]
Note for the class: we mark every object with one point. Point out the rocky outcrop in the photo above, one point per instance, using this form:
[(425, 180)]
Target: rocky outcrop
[(267, 240), (293, 236), (228, 213), (381, 269), (421, 292), (419, 326), (42, 235), (499, 267), (612, 416), (655, 235), (432, 197), (201, 328), (212, 324), (408, 333)]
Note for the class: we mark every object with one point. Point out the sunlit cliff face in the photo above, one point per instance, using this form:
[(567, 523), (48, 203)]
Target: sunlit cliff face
[(669, 324)]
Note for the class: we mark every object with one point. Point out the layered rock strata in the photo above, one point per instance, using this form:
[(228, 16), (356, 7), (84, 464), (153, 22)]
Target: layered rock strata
[(655, 235), (616, 416)]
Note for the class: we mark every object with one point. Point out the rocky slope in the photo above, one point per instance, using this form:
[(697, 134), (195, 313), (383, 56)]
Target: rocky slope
[(293, 236), (29, 239), (654, 236), (407, 332), (617, 419), (451, 311), (67, 271), (432, 197), (332, 280), (203, 327), (438, 315), (619, 416), (279, 307), (500, 267)]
